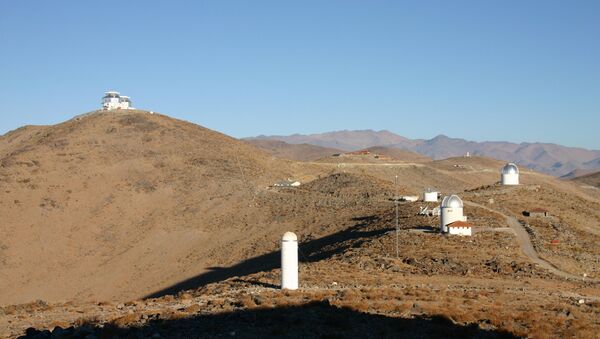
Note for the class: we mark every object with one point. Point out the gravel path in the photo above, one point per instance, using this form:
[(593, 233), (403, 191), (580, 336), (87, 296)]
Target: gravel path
[(526, 246)]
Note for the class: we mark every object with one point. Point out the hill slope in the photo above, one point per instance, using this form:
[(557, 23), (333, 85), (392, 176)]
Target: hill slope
[(298, 152), (398, 154), (95, 203), (592, 179)]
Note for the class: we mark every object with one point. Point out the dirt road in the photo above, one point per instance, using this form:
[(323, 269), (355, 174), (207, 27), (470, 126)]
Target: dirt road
[(525, 244)]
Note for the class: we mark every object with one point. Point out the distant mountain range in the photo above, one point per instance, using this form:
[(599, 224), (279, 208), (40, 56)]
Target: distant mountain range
[(548, 158)]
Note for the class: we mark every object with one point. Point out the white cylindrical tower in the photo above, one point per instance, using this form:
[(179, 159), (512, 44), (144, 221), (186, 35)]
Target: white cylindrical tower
[(451, 210), (289, 261), (510, 174), (430, 195)]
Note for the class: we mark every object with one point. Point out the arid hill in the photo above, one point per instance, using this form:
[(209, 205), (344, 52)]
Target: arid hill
[(398, 154), (92, 205), (135, 224), (592, 179), (298, 152), (577, 173)]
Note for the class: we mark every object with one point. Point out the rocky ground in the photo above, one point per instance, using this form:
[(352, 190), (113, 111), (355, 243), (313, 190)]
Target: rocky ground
[(439, 286)]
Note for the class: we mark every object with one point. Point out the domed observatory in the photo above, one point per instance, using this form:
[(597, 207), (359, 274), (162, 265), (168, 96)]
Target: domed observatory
[(451, 211), (510, 174)]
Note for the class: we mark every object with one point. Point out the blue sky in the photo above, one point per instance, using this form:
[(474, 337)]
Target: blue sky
[(480, 70)]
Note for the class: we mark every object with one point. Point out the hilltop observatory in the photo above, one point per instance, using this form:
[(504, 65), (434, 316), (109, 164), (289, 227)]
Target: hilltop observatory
[(451, 211), (510, 174), (113, 100)]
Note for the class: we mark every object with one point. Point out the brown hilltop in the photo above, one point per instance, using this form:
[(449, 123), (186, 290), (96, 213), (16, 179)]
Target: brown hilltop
[(95, 203)]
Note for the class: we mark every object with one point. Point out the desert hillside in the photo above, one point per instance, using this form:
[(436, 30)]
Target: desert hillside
[(592, 179), (92, 204), (398, 154), (298, 152), (131, 223)]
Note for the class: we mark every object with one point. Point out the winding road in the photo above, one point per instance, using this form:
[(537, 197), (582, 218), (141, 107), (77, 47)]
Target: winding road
[(526, 246)]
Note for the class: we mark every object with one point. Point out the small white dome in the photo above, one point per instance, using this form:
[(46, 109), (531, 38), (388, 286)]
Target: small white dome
[(289, 236), (452, 201), (510, 168)]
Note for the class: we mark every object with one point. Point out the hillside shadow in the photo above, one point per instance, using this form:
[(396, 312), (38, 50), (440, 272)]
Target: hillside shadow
[(426, 229), (309, 251), (311, 320)]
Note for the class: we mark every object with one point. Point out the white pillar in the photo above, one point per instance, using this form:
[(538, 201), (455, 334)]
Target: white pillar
[(289, 261)]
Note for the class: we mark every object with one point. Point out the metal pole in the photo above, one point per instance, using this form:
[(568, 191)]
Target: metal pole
[(397, 231)]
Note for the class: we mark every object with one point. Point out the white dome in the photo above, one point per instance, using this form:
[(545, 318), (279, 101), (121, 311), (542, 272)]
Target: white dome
[(510, 168), (452, 201), (289, 236)]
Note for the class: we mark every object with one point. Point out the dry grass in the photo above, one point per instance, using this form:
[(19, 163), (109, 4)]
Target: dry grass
[(126, 320)]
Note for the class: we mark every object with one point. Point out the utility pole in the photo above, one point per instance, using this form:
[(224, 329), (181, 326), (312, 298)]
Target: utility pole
[(397, 230)]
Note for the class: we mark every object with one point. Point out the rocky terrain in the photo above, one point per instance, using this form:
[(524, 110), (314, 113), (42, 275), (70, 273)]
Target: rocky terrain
[(131, 224)]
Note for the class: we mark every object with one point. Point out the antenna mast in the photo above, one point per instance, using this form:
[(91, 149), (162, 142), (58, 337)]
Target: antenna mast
[(397, 231)]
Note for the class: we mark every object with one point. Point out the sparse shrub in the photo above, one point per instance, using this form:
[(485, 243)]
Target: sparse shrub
[(195, 308), (86, 321), (126, 320)]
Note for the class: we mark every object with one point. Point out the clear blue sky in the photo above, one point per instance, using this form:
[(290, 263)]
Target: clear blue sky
[(480, 70)]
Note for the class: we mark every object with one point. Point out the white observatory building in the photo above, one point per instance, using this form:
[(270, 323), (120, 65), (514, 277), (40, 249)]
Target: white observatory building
[(430, 195), (451, 211), (113, 100), (510, 174)]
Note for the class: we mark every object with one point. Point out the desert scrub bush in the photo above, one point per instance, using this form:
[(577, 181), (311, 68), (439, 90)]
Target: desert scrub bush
[(245, 301), (386, 306), (125, 321), (87, 321), (192, 309)]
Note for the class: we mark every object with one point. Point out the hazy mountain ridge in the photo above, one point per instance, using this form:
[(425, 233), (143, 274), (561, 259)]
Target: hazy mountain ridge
[(548, 158), (344, 140)]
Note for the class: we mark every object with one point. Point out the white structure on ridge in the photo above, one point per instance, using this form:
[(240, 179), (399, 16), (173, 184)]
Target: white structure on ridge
[(113, 100), (430, 195), (510, 174), (289, 261), (451, 211)]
